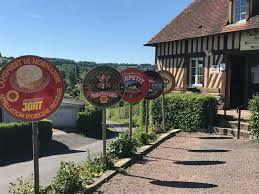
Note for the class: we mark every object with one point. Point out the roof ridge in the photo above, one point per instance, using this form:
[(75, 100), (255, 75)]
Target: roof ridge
[(201, 18)]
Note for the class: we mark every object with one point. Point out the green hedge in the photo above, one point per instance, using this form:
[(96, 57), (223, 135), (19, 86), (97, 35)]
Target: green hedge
[(185, 111), (254, 119), (121, 114), (142, 112), (89, 122), (15, 137)]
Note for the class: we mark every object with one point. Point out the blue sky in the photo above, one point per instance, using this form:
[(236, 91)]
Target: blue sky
[(90, 30)]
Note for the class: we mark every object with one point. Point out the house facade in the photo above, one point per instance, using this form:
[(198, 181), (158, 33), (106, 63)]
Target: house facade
[(213, 47)]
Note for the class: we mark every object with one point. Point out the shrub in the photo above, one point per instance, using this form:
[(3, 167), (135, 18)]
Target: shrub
[(67, 179), (94, 167), (143, 138), (73, 178), (89, 122), (185, 111), (254, 119), (123, 146), (70, 178), (45, 131), (24, 185), (15, 137)]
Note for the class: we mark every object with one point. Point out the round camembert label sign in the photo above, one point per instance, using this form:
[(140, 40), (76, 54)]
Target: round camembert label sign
[(103, 86), (30, 88)]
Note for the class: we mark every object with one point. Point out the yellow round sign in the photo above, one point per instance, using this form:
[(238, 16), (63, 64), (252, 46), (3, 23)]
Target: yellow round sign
[(169, 81)]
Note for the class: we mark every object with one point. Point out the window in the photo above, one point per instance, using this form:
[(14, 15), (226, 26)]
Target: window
[(196, 72), (239, 10)]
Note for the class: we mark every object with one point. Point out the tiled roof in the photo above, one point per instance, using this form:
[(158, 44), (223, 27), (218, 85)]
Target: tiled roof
[(201, 18)]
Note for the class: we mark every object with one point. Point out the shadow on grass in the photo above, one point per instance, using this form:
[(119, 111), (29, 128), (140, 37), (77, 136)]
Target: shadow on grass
[(51, 149), (176, 184)]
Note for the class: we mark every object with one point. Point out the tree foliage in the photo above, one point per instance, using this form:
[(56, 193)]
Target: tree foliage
[(73, 72)]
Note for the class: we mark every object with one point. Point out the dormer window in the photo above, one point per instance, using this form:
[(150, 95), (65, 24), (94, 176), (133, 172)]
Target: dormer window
[(239, 10)]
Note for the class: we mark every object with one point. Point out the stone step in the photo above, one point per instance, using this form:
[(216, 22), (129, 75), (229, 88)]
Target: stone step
[(243, 125), (232, 124), (230, 131), (232, 118)]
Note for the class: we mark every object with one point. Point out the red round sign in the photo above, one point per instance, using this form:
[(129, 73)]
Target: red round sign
[(136, 85), (30, 88)]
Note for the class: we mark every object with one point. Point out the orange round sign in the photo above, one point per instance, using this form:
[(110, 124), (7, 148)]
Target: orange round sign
[(30, 88)]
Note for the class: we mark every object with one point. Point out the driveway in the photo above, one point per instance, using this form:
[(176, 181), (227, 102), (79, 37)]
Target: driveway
[(119, 127), (64, 147), (193, 163)]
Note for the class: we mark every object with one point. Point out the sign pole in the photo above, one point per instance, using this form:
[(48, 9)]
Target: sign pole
[(104, 134), (147, 115), (130, 119), (163, 111), (35, 143), (46, 94)]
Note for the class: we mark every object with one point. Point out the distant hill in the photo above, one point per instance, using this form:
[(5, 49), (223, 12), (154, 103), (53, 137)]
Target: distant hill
[(83, 64), (73, 72)]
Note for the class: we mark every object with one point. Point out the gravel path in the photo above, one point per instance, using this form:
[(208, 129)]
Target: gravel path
[(193, 163)]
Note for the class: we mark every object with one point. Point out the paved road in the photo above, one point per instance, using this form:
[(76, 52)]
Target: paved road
[(118, 127), (193, 163), (65, 147)]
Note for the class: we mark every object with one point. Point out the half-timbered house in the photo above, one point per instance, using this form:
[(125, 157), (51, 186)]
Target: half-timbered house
[(213, 46)]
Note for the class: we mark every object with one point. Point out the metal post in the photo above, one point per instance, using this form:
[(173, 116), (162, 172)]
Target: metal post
[(239, 127), (147, 115), (104, 133), (163, 111), (130, 120), (225, 111), (35, 145)]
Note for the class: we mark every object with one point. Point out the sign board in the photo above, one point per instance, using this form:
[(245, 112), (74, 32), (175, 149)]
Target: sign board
[(156, 85), (103, 86), (169, 81), (30, 88), (249, 40), (136, 85), (214, 69)]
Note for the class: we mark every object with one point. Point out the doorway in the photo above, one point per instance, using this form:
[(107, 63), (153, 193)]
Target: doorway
[(253, 61), (238, 81)]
